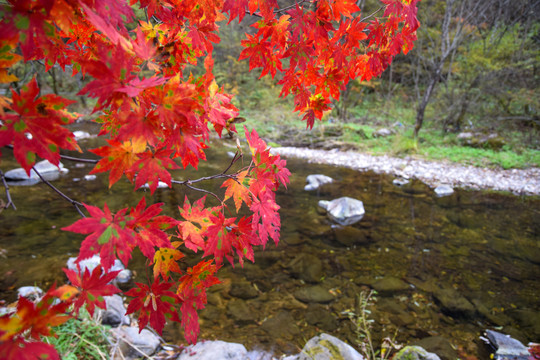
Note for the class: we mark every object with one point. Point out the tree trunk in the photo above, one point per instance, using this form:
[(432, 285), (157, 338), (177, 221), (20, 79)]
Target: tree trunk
[(425, 100)]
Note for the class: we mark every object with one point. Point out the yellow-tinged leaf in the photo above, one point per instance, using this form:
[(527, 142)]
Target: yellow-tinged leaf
[(165, 260), (238, 189)]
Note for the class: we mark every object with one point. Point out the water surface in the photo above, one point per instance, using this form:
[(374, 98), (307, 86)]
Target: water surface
[(479, 246)]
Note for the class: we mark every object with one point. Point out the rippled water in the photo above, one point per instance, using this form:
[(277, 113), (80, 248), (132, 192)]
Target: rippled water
[(412, 246)]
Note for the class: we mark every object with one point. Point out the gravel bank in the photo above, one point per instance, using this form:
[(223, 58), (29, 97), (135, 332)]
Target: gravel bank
[(523, 182)]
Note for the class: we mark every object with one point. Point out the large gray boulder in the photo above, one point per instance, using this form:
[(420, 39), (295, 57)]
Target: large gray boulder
[(507, 348), (325, 347), (315, 181), (115, 315), (134, 345), (344, 211), (415, 353), (49, 172), (218, 350), (91, 263)]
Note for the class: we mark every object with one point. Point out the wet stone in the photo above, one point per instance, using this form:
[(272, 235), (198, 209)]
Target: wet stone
[(454, 303), (390, 284), (294, 239), (306, 267), (313, 294), (319, 316), (240, 311), (349, 236), (282, 325), (438, 345), (243, 290)]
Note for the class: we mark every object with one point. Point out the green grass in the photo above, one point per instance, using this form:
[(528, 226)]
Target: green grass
[(276, 123), (81, 338)]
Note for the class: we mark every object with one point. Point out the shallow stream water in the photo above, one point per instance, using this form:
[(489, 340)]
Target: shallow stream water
[(445, 268)]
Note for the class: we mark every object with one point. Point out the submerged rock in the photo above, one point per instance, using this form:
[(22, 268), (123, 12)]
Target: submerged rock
[(390, 285), (507, 348), (282, 325), (438, 345), (306, 267), (317, 180), (453, 302), (345, 210), (315, 294)]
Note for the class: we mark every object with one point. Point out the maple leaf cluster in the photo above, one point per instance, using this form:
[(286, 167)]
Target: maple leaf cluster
[(157, 117)]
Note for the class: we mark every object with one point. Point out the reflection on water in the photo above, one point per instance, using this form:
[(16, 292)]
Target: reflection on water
[(446, 268)]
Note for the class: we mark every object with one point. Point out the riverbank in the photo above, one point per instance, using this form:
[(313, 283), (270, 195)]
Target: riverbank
[(433, 173)]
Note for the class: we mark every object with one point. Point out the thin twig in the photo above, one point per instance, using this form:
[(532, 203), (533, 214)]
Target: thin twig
[(66, 157), (372, 14), (71, 158), (8, 195), (73, 202), (204, 191)]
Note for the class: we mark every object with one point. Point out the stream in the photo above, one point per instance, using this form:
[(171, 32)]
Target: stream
[(444, 269)]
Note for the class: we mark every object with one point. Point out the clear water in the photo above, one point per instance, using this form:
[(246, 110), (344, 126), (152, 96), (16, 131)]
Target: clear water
[(484, 246)]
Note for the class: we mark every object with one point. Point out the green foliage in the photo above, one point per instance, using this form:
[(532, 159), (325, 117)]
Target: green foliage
[(360, 318), (81, 338)]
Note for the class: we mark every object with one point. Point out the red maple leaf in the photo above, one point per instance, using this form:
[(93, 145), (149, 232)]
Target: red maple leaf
[(192, 293), (109, 236), (34, 318), (238, 189), (119, 158), (152, 167), (92, 287), (154, 303), (189, 232), (266, 219), (37, 127), (21, 349), (149, 227)]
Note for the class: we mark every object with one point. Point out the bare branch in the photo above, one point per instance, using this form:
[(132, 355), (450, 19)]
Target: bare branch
[(204, 191), (8, 195), (71, 158), (73, 202)]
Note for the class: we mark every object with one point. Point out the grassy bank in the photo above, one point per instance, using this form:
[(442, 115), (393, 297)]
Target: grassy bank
[(274, 120)]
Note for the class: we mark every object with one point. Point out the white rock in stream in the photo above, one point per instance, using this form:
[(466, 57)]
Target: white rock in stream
[(443, 190), (45, 168), (315, 181), (345, 210)]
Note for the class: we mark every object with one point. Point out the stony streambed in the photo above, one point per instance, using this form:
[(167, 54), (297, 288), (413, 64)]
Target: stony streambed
[(517, 181)]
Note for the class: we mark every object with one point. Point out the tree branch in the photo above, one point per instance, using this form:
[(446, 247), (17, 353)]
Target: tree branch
[(73, 202), (8, 195)]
